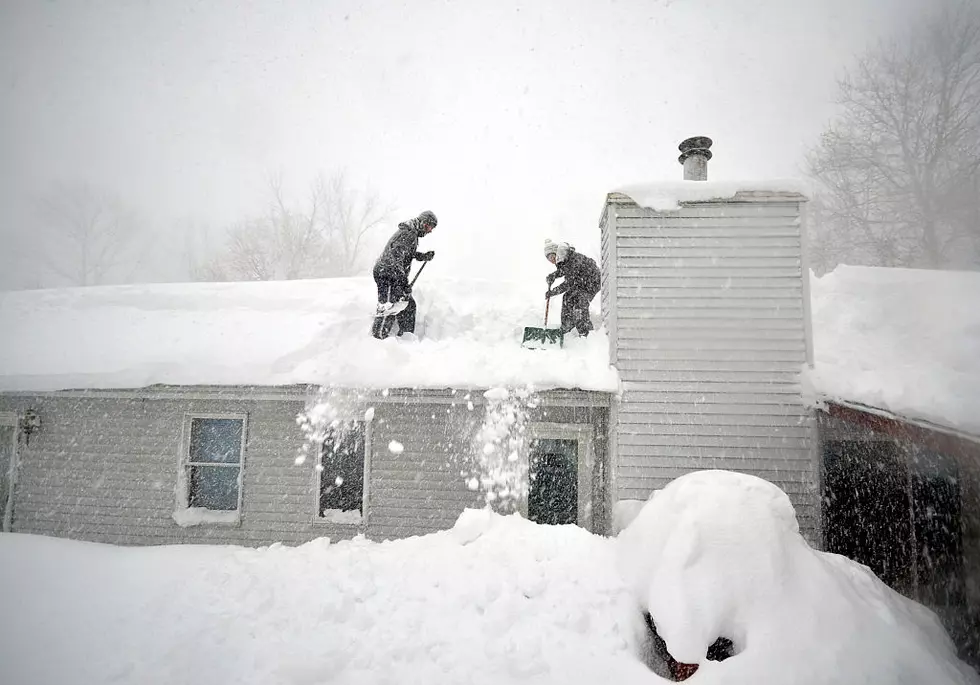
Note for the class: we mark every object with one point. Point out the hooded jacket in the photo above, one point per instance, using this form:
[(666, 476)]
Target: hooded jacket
[(396, 258), (580, 273)]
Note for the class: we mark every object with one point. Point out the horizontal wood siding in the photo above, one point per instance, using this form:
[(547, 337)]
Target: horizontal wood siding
[(710, 342), (105, 469)]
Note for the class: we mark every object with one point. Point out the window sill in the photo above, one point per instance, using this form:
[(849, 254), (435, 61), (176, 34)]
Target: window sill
[(340, 519), (189, 517)]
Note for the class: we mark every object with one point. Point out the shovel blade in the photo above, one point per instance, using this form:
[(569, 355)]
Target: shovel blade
[(536, 338)]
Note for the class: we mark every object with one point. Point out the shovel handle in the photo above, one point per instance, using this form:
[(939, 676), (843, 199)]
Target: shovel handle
[(547, 303), (417, 274)]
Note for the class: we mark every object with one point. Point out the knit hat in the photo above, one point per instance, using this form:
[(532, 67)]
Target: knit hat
[(560, 250)]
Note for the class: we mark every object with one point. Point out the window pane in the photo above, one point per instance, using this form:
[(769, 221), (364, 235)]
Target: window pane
[(342, 478), (214, 487), (216, 440), (553, 493)]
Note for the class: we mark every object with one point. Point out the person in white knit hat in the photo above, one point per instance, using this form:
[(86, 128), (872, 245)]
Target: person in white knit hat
[(582, 281)]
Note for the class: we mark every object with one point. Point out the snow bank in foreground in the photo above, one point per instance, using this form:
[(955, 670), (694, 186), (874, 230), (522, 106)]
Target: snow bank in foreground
[(286, 332), (904, 340), (667, 196), (494, 600), (719, 554)]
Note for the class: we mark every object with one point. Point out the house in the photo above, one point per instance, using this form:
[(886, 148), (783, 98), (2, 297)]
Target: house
[(168, 413)]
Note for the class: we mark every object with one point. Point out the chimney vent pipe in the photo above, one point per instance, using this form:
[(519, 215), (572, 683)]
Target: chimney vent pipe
[(694, 156)]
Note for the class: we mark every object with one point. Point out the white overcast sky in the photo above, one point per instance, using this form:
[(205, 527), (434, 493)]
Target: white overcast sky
[(510, 120)]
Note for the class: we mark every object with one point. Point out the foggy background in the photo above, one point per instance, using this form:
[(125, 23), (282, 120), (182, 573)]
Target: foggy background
[(509, 120)]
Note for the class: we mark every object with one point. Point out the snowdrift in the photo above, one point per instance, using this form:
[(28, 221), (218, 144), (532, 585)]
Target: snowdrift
[(494, 600), (282, 333)]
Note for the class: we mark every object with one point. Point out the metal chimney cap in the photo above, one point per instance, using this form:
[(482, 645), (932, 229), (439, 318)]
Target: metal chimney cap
[(697, 145)]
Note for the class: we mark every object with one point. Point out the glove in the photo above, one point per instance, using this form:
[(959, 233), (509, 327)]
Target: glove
[(548, 295), (427, 256), (407, 292), (550, 278)]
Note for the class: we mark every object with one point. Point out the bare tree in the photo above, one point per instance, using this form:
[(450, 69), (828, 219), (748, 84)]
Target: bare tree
[(88, 236), (898, 171), (348, 217), (321, 239)]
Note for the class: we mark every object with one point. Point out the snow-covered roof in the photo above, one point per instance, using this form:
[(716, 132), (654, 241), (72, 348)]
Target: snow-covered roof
[(284, 333), (666, 196), (903, 340)]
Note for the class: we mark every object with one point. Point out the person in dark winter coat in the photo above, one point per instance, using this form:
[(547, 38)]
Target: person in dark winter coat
[(582, 281), (391, 274)]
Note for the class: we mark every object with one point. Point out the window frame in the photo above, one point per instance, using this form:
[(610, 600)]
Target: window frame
[(221, 517), (584, 435), (320, 521), (10, 420)]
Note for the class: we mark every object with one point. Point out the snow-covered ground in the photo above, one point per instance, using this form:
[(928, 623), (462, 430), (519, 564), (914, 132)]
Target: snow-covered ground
[(903, 340), (494, 600), (280, 333)]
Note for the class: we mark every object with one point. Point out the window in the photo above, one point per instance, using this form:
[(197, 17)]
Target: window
[(8, 467), (210, 481), (559, 467), (340, 490)]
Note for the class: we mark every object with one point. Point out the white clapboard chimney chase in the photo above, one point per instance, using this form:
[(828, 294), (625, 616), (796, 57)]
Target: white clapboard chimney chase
[(704, 298)]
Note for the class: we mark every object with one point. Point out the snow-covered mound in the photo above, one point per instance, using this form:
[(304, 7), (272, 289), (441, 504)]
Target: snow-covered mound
[(719, 554), (280, 333), (904, 340), (494, 600)]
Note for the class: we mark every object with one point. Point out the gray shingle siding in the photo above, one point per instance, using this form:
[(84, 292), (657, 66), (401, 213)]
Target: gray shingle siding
[(104, 465), (710, 328)]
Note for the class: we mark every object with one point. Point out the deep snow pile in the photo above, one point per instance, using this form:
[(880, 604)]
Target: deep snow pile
[(286, 332), (719, 554), (904, 340), (494, 600)]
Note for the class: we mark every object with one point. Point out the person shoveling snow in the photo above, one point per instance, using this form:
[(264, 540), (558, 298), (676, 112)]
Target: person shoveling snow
[(582, 281), (395, 301)]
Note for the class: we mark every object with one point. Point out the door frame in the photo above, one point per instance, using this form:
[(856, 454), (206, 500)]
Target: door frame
[(583, 434), (10, 420)]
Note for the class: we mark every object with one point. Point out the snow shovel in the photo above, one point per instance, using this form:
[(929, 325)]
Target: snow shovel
[(391, 308), (385, 310), (543, 338)]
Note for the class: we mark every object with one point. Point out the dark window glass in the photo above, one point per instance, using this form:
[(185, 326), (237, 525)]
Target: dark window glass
[(214, 463), (553, 494), (342, 477), (214, 487), (216, 441)]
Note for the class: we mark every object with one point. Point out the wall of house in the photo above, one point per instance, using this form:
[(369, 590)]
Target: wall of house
[(706, 310), (905, 501), (104, 468)]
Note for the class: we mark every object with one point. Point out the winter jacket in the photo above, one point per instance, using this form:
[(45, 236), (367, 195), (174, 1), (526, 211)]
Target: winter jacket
[(396, 259), (580, 273)]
